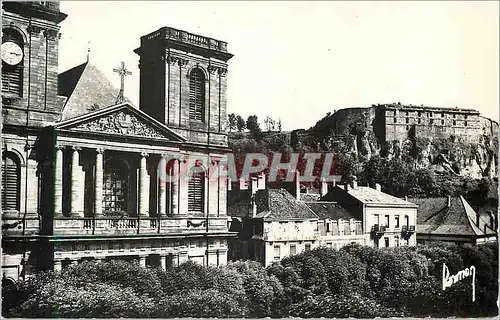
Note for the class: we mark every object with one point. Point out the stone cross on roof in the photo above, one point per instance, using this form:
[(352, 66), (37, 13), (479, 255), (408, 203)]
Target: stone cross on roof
[(123, 72)]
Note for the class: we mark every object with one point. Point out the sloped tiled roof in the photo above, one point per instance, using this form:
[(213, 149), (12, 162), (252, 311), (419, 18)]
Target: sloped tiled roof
[(272, 205), (434, 216), (310, 197), (330, 210), (372, 196), (85, 86)]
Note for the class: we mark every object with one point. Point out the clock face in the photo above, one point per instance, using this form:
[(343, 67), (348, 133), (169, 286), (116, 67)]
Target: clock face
[(11, 53)]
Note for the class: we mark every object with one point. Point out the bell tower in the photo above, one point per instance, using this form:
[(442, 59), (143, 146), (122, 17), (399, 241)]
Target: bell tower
[(183, 82), (30, 43)]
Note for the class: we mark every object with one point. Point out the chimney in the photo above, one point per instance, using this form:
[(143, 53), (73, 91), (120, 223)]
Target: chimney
[(297, 185), (261, 182), (254, 184), (354, 184), (449, 202), (492, 220), (243, 184), (377, 187), (324, 188), (254, 205)]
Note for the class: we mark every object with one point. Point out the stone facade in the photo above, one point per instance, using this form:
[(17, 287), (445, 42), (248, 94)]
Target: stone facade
[(95, 185), (387, 221)]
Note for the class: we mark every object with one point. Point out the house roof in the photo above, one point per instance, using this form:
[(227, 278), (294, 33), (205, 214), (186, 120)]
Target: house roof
[(272, 205), (86, 89), (434, 216), (369, 196), (330, 210)]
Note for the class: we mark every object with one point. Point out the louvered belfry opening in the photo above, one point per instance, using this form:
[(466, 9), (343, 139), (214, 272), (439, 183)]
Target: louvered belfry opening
[(12, 76), (197, 95), (196, 189), (11, 177)]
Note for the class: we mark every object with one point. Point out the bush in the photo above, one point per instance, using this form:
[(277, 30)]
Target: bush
[(356, 281)]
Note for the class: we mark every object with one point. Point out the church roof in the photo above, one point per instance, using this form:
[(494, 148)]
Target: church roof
[(434, 216), (86, 89)]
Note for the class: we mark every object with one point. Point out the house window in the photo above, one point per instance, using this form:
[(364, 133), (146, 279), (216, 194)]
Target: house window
[(432, 121), (419, 121), (196, 188), (454, 122), (419, 114), (293, 249), (407, 220), (12, 68), (307, 247), (407, 120), (465, 116), (386, 241), (442, 115), (327, 227), (11, 178), (277, 252), (442, 122), (387, 220), (116, 181), (197, 95), (465, 123), (396, 241), (395, 120), (396, 220)]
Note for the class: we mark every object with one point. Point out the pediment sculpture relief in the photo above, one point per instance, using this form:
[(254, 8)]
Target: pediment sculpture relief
[(121, 123)]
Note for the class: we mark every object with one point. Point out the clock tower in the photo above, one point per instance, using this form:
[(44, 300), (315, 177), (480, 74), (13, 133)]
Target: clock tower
[(30, 36), (183, 81)]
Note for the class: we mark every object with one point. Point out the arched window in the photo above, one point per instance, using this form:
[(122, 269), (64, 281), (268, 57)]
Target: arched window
[(116, 182), (196, 190), (12, 62), (197, 95), (11, 178)]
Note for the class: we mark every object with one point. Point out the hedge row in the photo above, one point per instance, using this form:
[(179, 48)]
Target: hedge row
[(356, 281)]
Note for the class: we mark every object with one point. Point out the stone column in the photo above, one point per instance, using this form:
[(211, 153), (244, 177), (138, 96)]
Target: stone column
[(57, 265), (163, 262), (142, 261), (99, 172), (162, 186), (143, 187), (76, 179), (175, 187), (58, 181)]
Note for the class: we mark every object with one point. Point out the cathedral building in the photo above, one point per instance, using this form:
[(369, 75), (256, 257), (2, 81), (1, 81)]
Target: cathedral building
[(86, 177)]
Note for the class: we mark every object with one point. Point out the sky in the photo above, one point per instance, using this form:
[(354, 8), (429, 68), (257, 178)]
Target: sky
[(296, 61)]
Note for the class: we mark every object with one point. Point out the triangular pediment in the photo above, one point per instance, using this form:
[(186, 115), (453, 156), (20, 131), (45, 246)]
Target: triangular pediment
[(120, 120)]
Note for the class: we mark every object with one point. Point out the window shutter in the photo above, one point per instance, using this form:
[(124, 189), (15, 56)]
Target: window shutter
[(12, 80), (10, 184), (195, 192), (197, 95)]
